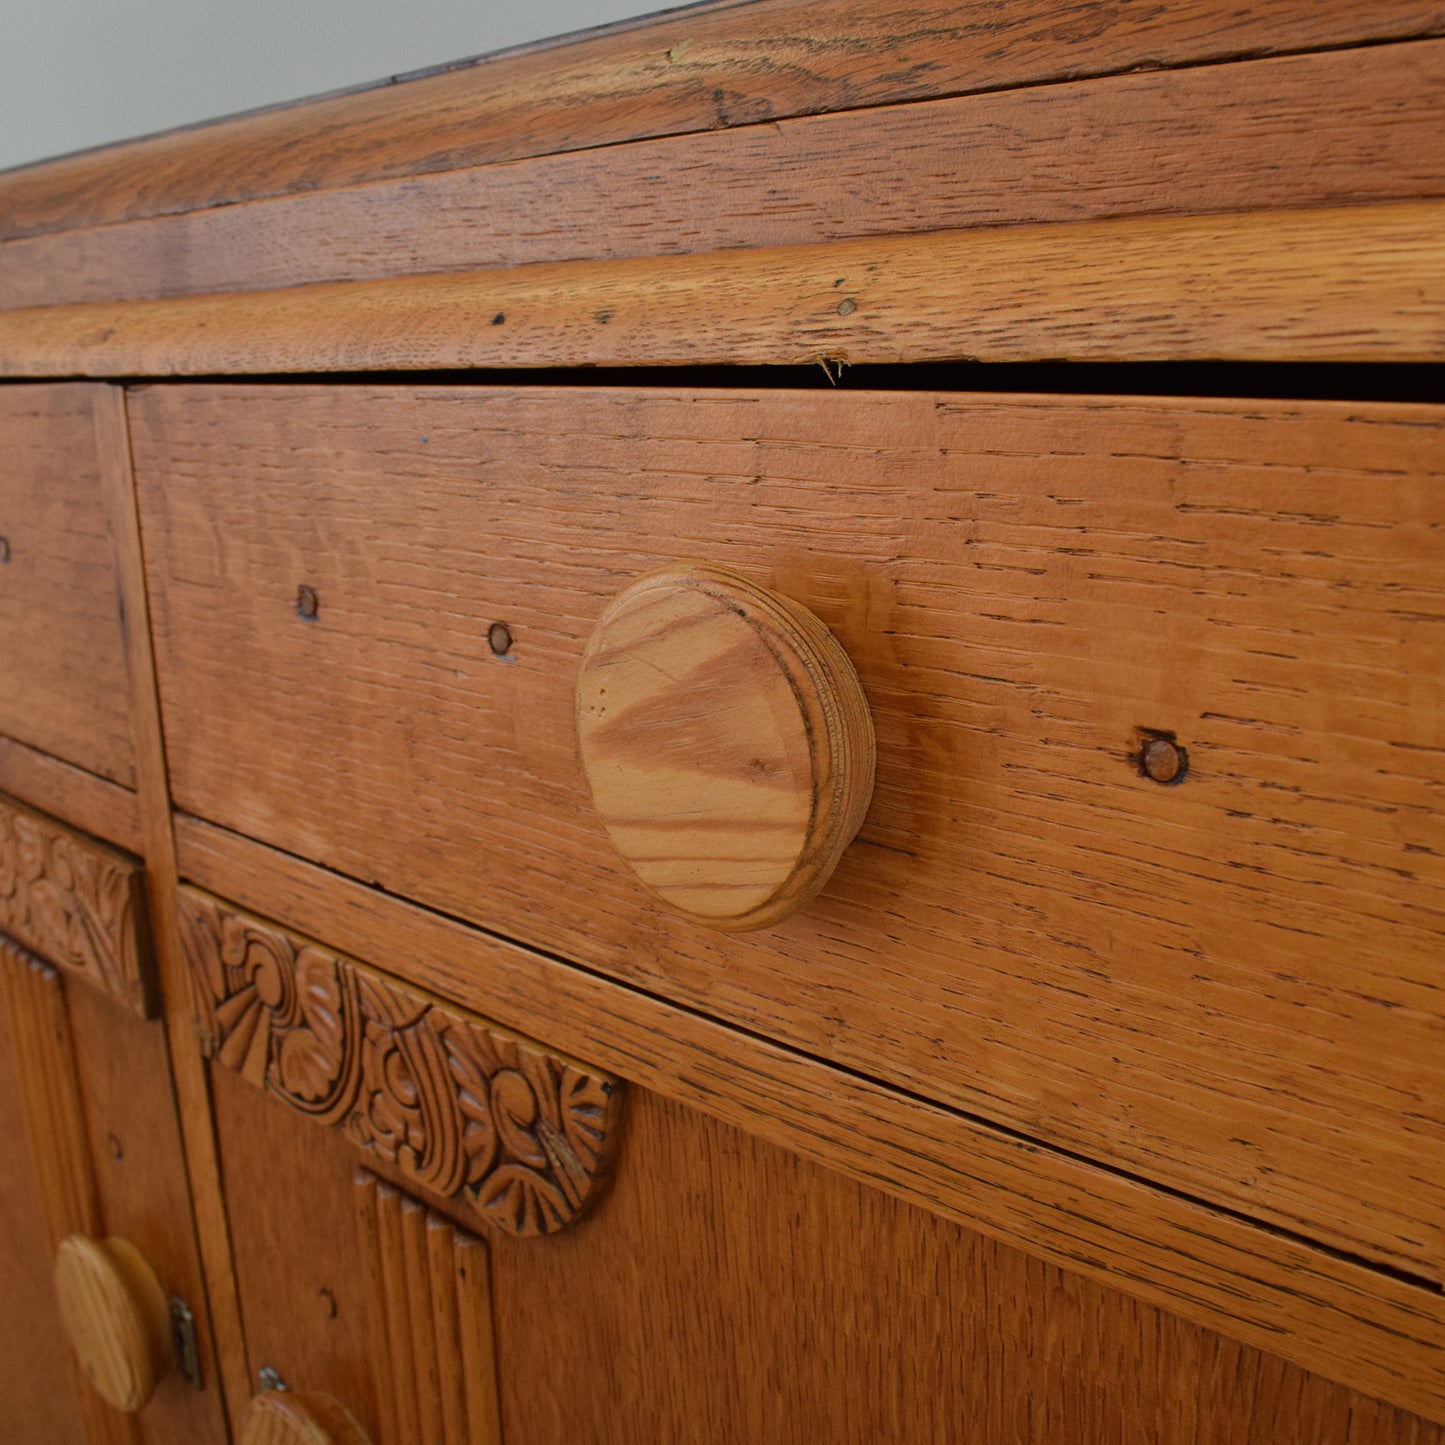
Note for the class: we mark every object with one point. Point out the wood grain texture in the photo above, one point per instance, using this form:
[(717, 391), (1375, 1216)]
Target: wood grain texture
[(519, 1137), (44, 1052), (787, 1304), (139, 1166), (70, 794), (78, 903), (280, 1417), (1322, 130), (1229, 987), (60, 648), (726, 742), (1273, 1291), (37, 1379), (432, 1307), (300, 1270), (219, 1318), (55, 1121), (117, 1317), (1355, 284), (730, 66)]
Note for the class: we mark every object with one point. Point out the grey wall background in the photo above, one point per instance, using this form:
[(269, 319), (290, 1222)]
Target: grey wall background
[(79, 73)]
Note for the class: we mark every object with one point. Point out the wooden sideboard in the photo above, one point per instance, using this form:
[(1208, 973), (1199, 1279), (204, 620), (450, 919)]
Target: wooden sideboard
[(734, 732)]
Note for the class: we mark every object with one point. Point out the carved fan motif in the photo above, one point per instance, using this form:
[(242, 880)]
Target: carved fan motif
[(75, 904), (457, 1107)]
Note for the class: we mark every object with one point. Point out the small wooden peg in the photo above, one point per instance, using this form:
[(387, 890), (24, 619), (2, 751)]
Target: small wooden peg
[(116, 1315), (727, 743), (279, 1417)]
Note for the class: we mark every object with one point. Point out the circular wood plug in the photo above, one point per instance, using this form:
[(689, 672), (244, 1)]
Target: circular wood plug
[(279, 1417), (116, 1315), (727, 743)]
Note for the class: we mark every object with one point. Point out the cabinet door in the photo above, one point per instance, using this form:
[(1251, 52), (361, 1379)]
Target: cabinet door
[(367, 1297), (39, 1393), (103, 1246), (708, 1286)]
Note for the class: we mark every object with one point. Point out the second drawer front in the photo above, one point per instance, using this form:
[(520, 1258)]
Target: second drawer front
[(1229, 985)]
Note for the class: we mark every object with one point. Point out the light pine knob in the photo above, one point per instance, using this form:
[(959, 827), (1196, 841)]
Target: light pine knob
[(727, 744), (116, 1316), (279, 1417)]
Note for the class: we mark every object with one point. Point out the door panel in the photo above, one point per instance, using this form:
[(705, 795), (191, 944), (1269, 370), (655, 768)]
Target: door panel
[(38, 1386)]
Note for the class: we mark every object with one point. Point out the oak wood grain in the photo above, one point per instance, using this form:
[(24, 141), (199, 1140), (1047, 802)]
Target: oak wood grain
[(281, 1417), (726, 742), (516, 1137), (1229, 986), (60, 648), (116, 1316), (106, 1115), (81, 799), (37, 1380), (54, 1118), (1268, 1289), (1323, 130), (137, 1159), (785, 1303), (54, 1113), (301, 1275), (220, 1331), (1353, 284), (77, 903), (431, 1306), (729, 66)]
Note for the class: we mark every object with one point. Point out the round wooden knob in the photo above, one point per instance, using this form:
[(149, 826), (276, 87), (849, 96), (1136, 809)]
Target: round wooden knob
[(727, 743), (116, 1316), (280, 1417)]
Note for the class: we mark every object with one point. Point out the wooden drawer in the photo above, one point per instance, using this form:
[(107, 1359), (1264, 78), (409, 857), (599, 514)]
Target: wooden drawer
[(1229, 986), (61, 651)]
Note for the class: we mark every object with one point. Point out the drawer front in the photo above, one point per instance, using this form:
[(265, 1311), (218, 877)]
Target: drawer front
[(1229, 984), (61, 652)]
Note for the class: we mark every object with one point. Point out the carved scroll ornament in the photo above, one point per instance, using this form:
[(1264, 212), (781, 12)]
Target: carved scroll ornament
[(77, 904), (457, 1107)]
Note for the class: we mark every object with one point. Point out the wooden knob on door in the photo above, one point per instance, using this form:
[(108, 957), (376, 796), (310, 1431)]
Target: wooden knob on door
[(117, 1317), (279, 1417), (727, 743)]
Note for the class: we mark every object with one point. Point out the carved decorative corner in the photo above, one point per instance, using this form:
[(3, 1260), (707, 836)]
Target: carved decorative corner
[(517, 1136), (76, 904), (430, 1302)]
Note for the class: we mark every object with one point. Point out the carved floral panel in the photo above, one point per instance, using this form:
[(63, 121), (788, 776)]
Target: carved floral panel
[(76, 904), (456, 1106)]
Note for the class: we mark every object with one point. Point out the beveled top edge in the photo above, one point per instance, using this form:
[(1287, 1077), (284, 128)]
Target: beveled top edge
[(709, 66)]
